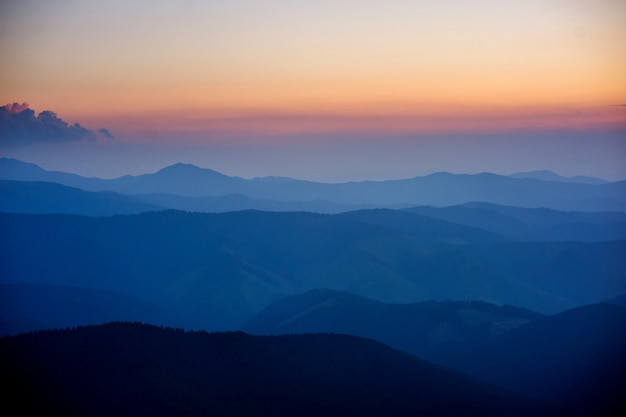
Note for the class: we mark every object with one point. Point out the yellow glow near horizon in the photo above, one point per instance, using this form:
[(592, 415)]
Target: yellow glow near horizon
[(90, 61)]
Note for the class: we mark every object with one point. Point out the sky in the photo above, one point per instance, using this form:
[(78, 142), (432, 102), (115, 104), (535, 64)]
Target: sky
[(320, 89)]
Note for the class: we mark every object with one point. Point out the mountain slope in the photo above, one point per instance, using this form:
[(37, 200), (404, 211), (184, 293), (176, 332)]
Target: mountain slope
[(136, 370), (236, 202), (431, 330), (217, 270), (13, 169), (214, 269), (533, 223), (38, 197), (618, 301), (577, 356), (45, 197)]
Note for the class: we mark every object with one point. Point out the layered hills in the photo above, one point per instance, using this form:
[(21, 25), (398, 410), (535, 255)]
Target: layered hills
[(517, 223), (47, 197), (432, 266), (574, 358), (128, 369), (217, 270), (433, 330)]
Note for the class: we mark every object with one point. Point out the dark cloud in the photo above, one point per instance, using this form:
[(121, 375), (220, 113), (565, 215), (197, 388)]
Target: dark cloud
[(106, 133), (20, 125)]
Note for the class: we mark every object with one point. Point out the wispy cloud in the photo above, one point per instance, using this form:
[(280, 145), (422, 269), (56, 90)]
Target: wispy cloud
[(393, 118)]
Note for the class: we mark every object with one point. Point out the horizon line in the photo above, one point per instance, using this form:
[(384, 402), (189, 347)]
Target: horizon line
[(261, 177)]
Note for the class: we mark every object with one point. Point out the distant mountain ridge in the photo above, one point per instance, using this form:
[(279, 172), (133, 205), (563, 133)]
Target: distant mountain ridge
[(546, 175), (440, 189), (532, 224)]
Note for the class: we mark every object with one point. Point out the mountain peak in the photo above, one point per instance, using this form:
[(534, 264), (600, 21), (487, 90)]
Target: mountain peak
[(187, 169)]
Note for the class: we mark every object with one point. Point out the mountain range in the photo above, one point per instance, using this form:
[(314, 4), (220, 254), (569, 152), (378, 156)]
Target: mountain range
[(516, 283), (546, 175), (214, 271), (439, 189), (533, 224)]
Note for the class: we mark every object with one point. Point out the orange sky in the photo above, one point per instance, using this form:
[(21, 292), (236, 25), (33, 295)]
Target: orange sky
[(431, 65)]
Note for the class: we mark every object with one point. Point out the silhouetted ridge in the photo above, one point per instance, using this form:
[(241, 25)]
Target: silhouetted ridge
[(546, 175), (134, 370)]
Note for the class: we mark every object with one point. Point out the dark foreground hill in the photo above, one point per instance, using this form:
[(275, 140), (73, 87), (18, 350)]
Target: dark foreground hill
[(432, 330), (134, 370)]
